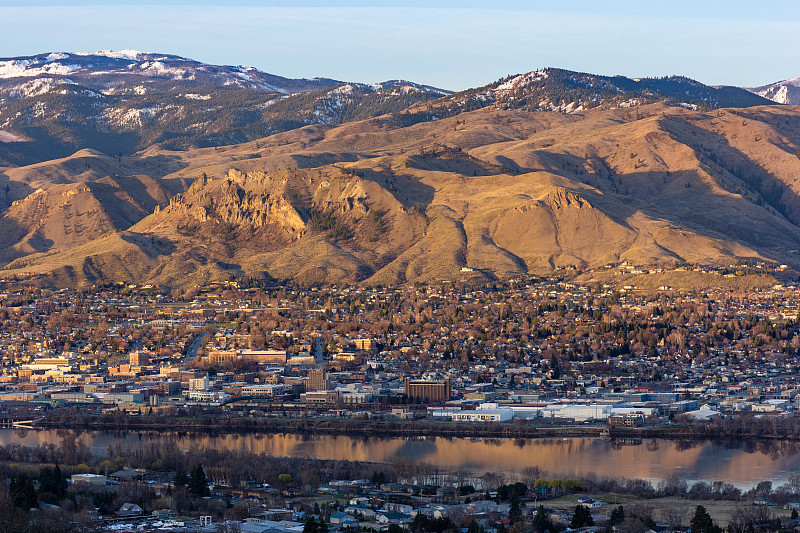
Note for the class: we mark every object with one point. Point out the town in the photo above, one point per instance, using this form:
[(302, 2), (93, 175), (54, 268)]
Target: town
[(525, 357), (521, 350)]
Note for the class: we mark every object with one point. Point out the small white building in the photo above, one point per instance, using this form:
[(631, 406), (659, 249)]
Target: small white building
[(483, 415), (89, 479)]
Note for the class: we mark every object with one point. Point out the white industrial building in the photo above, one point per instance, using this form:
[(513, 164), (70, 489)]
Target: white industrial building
[(579, 413)]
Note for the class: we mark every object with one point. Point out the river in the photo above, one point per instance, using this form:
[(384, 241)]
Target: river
[(743, 464)]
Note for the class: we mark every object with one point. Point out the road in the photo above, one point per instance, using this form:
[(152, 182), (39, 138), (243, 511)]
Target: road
[(192, 353)]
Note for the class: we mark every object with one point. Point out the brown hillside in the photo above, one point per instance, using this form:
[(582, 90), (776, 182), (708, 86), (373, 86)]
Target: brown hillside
[(504, 193)]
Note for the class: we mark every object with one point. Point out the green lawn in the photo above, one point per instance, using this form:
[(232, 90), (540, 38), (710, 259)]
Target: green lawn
[(720, 511)]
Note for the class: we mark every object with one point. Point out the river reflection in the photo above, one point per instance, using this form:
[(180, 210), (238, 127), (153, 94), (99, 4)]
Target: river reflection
[(742, 463)]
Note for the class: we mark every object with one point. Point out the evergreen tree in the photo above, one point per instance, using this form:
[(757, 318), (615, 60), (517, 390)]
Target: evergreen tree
[(52, 484), (541, 522), (514, 513), (46, 486), (60, 483), (198, 484), (702, 522), (311, 526), (22, 492), (554, 367), (582, 517), (181, 478), (617, 516)]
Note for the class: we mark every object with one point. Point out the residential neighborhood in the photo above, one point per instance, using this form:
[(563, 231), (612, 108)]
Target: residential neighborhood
[(532, 350)]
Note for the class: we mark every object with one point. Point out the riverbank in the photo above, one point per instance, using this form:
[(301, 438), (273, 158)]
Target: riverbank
[(393, 428)]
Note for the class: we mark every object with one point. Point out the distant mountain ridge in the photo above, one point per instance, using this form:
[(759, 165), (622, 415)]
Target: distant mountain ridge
[(565, 91), (113, 72), (53, 104), (782, 92)]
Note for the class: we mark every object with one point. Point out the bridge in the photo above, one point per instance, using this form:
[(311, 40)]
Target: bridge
[(10, 422)]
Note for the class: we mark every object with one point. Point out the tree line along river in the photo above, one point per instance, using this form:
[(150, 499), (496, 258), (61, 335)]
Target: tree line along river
[(741, 463)]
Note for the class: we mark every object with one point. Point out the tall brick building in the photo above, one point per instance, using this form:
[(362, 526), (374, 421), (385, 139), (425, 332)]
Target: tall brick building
[(317, 381), (428, 390)]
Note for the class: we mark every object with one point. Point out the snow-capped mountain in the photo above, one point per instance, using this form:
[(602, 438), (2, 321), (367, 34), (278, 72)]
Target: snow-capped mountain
[(349, 101), (782, 92), (54, 104), (554, 89), (112, 72)]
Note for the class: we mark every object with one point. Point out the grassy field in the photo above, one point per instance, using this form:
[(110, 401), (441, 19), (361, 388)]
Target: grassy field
[(720, 511)]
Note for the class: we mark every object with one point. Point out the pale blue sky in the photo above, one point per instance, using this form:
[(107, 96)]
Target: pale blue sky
[(450, 44)]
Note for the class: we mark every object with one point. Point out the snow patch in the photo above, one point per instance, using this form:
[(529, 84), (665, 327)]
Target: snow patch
[(782, 95), (85, 92), (160, 69), (35, 87), (346, 89), (130, 118), (130, 55), (6, 137), (29, 68), (518, 82), (56, 56), (39, 109), (193, 96)]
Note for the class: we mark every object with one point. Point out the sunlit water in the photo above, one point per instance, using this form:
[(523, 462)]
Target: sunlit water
[(743, 464)]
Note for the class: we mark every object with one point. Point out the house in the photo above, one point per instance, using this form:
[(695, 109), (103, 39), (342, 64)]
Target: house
[(342, 519), (128, 509), (391, 517), (589, 503), (538, 492), (162, 514), (488, 506), (356, 510), (126, 476), (433, 510), (398, 507)]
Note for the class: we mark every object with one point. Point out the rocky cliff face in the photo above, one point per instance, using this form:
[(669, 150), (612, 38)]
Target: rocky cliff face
[(246, 200)]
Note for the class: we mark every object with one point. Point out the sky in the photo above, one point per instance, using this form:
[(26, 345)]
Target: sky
[(449, 44)]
